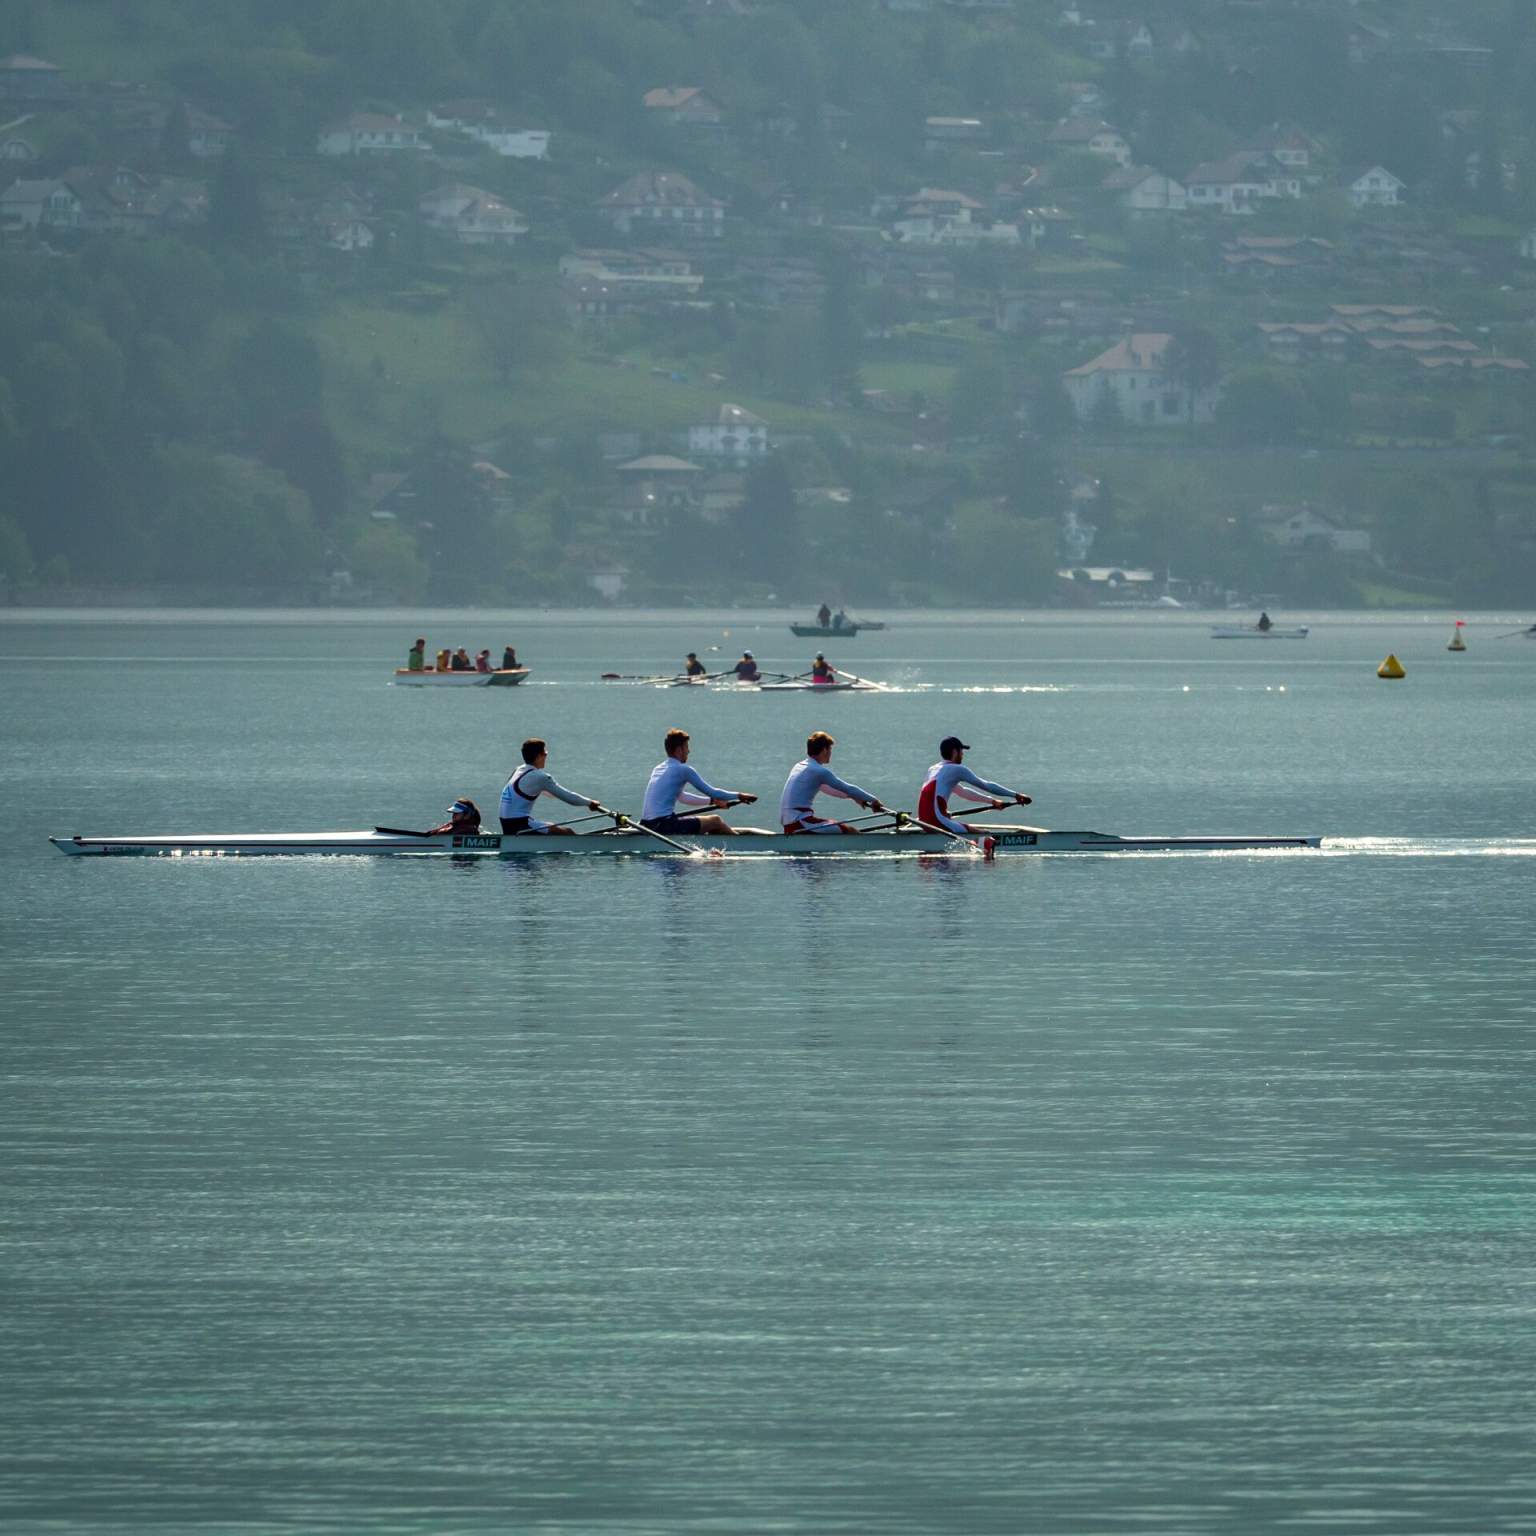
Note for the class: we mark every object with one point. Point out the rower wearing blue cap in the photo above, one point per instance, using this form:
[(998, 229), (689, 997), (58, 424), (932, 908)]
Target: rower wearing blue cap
[(463, 817)]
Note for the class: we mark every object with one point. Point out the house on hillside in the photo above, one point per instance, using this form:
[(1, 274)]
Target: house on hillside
[(1373, 187), (1286, 144), (16, 150), (120, 199), (371, 133), (1239, 183), (948, 132), (655, 485), (1292, 340), (471, 215), (483, 122), (1303, 527), (1134, 376), (735, 434), (683, 106), (1092, 136), (665, 205), (1276, 255), (1141, 190), (208, 137), (26, 78), (40, 205)]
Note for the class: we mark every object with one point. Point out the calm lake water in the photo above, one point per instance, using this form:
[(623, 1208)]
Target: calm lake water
[(1183, 1193)]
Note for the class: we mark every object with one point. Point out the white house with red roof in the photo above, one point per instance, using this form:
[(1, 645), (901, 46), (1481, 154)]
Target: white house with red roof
[(1134, 374)]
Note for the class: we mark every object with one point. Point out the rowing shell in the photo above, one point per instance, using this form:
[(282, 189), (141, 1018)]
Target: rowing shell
[(502, 677), (1253, 632), (780, 845)]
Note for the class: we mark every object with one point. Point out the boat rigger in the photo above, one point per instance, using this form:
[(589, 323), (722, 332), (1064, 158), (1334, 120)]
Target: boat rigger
[(902, 840)]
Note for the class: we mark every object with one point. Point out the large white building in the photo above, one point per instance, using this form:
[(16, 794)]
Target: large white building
[(1133, 375)]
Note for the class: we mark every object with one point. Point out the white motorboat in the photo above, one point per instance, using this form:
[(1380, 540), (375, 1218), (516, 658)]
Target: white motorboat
[(1253, 632), (906, 840), (430, 677)]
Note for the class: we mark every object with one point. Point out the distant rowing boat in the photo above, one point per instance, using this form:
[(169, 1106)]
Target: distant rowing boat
[(503, 677), (1253, 632), (381, 840)]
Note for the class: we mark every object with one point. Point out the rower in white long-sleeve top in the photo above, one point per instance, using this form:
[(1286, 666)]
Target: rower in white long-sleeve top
[(948, 777), (813, 776), (527, 784), (672, 780)]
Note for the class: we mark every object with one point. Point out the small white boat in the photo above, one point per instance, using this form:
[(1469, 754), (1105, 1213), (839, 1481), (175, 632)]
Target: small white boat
[(1253, 632), (430, 677), (908, 840)]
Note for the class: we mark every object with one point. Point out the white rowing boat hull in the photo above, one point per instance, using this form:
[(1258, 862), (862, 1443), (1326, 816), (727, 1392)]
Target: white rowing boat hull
[(1248, 632), (503, 677), (1009, 840)]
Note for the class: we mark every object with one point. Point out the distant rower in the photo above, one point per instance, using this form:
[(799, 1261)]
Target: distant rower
[(670, 782), (527, 784), (812, 776), (822, 670), (746, 669), (949, 777), (695, 667)]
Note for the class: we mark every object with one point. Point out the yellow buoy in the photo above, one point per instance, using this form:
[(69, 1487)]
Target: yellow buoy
[(1391, 667), (1457, 642)]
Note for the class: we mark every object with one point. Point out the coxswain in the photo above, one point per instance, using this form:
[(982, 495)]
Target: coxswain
[(949, 776), (444, 660), (526, 785), (509, 660), (824, 617), (482, 661), (416, 660), (812, 776), (672, 779), (822, 671), (746, 669), (1265, 624), (694, 667), (463, 817), (461, 661)]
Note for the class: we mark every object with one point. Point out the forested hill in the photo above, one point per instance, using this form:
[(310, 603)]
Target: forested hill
[(943, 300)]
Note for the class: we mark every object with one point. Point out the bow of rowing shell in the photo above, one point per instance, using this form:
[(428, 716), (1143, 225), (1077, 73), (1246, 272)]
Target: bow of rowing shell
[(795, 845)]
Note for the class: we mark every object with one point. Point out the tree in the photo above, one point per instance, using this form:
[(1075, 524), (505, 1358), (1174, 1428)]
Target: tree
[(1193, 360), (237, 219), (520, 327), (766, 525)]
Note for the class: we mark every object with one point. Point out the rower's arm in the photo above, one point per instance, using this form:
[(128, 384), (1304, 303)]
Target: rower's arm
[(836, 786), (560, 792), (691, 776), (970, 783)]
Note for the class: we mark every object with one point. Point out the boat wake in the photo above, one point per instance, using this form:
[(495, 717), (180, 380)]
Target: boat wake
[(1430, 847)]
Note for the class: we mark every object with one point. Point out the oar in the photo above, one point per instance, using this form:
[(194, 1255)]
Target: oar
[(620, 819), (1511, 635), (576, 821), (635, 677), (928, 826), (854, 677)]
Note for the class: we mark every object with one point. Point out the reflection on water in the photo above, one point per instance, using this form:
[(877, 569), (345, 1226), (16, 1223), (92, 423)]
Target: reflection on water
[(866, 1194)]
